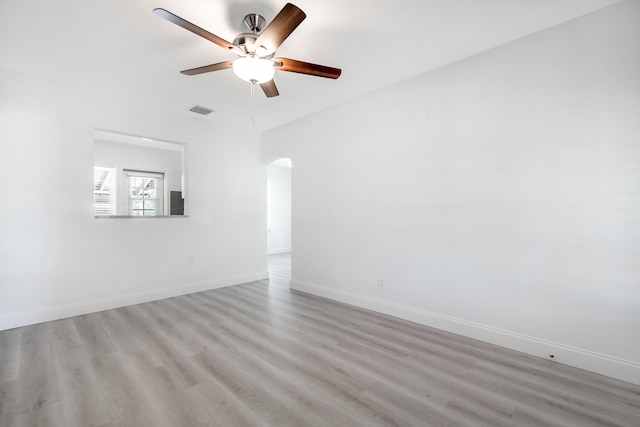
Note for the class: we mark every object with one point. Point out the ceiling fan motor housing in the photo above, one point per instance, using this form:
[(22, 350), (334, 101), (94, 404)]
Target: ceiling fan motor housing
[(246, 42)]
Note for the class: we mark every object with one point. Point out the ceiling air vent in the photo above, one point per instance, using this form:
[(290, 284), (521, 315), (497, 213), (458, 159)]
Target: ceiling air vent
[(200, 110)]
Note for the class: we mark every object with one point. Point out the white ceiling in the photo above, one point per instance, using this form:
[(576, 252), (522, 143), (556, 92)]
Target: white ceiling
[(121, 47)]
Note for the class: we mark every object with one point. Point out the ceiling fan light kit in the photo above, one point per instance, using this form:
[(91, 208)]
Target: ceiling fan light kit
[(254, 70), (256, 63)]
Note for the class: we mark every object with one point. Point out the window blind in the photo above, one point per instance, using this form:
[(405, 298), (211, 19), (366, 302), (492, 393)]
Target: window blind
[(103, 191)]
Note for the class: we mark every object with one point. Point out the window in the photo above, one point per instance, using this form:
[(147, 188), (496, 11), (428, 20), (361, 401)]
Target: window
[(145, 191), (141, 194), (104, 191)]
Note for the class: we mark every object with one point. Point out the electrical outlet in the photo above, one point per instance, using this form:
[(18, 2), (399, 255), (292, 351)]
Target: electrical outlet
[(381, 283)]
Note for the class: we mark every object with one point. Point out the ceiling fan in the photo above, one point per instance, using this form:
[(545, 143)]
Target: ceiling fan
[(256, 50)]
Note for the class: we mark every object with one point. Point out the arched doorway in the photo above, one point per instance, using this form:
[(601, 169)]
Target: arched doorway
[(279, 220)]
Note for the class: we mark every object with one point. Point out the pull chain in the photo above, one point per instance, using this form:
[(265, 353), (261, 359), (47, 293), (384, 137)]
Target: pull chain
[(253, 99)]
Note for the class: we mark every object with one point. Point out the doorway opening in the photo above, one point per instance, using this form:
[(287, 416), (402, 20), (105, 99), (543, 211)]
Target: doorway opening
[(279, 217)]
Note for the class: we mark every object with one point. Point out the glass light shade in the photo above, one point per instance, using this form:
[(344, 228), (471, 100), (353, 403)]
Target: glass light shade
[(254, 70)]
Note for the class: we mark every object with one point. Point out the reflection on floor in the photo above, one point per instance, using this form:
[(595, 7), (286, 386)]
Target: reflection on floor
[(279, 266)]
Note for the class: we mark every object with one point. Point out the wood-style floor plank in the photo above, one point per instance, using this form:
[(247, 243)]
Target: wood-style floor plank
[(260, 354), (37, 382), (10, 345)]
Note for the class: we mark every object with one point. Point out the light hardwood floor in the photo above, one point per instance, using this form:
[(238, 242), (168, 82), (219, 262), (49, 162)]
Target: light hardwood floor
[(261, 355)]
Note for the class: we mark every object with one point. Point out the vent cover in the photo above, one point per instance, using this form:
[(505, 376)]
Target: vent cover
[(200, 110)]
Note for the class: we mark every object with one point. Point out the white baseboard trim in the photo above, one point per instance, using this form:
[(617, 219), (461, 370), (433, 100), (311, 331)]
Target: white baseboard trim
[(584, 359), (15, 320), (279, 251)]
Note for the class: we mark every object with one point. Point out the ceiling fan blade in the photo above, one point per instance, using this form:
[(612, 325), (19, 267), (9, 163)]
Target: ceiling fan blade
[(269, 88), (208, 68), (193, 28), (279, 29), (301, 67)]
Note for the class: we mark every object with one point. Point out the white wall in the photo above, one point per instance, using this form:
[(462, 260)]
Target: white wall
[(56, 260), (279, 232), (498, 197)]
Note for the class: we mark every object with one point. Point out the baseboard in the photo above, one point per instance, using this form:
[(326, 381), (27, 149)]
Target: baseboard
[(15, 320), (279, 251), (599, 363)]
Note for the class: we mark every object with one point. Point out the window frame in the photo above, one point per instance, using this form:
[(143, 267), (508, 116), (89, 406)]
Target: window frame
[(129, 199)]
